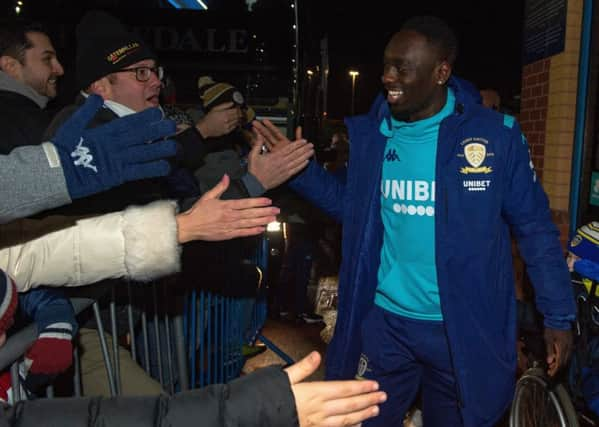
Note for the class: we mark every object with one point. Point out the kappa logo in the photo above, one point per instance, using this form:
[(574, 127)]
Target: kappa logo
[(475, 153), (392, 156), (83, 156), (362, 367)]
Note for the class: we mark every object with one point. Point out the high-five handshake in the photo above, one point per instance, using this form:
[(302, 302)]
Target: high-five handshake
[(79, 162)]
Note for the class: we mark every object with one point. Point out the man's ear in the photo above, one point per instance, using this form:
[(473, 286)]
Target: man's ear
[(443, 72), (10, 66)]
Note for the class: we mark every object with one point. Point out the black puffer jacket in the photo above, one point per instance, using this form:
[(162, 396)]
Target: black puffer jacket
[(261, 399), (22, 121)]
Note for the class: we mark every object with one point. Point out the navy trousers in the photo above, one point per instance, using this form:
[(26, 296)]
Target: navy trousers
[(406, 356)]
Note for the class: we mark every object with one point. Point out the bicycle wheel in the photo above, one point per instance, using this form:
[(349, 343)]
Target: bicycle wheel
[(536, 404)]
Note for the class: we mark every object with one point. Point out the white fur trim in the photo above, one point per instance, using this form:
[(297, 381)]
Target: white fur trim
[(151, 246)]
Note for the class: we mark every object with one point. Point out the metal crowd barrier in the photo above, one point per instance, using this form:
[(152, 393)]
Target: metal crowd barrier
[(197, 345), (260, 307), (15, 347), (214, 338), (216, 328)]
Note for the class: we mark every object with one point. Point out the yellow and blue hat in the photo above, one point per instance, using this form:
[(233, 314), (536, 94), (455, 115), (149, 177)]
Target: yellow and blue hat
[(585, 242), (215, 93)]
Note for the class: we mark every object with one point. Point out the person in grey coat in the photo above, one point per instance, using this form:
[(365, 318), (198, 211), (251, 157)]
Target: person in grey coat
[(269, 397)]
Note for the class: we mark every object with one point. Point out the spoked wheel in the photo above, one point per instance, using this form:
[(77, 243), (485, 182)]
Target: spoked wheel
[(538, 404)]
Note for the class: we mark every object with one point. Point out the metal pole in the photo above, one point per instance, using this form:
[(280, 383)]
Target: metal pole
[(209, 348), (144, 331), (104, 347), (169, 349), (202, 332), (353, 94), (130, 321), (157, 334), (324, 74), (193, 348), (295, 101), (581, 113), (76, 373), (353, 74), (179, 334), (115, 342), (15, 380)]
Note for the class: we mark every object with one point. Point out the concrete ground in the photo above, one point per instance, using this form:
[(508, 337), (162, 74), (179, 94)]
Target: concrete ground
[(297, 340)]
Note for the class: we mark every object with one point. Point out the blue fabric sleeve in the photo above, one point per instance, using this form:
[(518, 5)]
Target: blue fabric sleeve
[(46, 306), (321, 188), (253, 186), (526, 209)]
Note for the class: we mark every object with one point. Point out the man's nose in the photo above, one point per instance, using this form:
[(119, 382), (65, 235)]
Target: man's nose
[(154, 81), (58, 69), (388, 75)]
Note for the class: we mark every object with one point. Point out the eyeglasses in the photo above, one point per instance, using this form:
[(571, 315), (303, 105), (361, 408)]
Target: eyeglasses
[(143, 74)]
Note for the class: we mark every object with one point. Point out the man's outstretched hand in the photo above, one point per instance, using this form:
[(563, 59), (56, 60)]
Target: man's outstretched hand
[(331, 403), (272, 168), (96, 159), (274, 139), (213, 219)]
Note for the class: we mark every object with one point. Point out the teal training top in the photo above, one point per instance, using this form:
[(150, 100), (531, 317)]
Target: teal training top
[(407, 275)]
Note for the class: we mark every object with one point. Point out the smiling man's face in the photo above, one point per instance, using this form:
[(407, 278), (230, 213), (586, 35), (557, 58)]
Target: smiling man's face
[(411, 74), (40, 68)]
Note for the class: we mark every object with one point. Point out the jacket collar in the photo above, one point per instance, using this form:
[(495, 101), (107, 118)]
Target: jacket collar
[(119, 110), (465, 93), (9, 84)]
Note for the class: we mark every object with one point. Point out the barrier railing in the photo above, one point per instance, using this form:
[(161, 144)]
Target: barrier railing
[(184, 342)]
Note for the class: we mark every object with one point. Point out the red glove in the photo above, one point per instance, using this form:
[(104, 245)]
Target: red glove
[(52, 352)]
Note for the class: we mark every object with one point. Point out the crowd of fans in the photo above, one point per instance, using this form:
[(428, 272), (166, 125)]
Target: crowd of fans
[(121, 186), (88, 200)]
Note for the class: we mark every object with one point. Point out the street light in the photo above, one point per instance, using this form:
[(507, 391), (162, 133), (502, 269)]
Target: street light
[(353, 74)]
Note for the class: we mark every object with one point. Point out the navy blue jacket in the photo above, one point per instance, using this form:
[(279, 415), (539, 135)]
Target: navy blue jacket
[(477, 205)]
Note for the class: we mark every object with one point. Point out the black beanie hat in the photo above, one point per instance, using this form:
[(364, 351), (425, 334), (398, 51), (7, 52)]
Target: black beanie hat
[(104, 46)]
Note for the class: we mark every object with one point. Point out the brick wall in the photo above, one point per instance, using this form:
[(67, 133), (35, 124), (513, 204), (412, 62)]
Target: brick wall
[(547, 114), (533, 109)]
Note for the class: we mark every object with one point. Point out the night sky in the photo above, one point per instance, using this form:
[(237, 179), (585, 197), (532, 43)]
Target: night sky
[(489, 32)]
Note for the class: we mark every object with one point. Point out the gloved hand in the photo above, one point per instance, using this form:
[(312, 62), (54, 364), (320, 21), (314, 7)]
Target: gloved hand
[(94, 160), (50, 355)]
